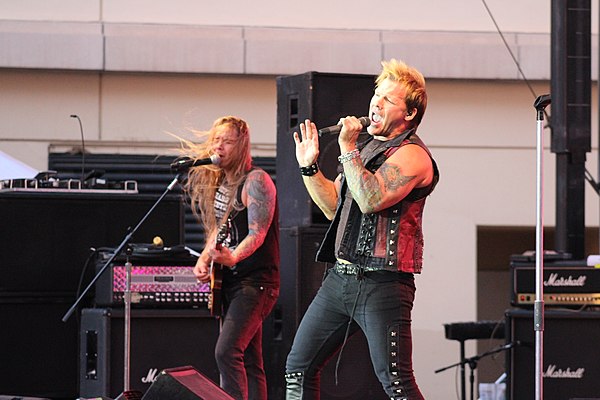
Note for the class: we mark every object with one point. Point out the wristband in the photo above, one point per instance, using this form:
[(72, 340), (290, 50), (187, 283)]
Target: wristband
[(349, 156), (310, 170)]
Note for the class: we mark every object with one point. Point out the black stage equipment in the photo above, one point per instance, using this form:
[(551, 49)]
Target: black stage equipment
[(184, 383), (324, 98), (160, 339), (570, 368), (47, 235)]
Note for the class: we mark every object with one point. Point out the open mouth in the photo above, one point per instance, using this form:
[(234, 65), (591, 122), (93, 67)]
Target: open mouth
[(375, 118)]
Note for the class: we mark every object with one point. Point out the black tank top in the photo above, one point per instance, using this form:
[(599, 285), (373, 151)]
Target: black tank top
[(262, 267)]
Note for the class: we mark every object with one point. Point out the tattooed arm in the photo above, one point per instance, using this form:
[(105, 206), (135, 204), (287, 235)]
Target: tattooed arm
[(408, 168), (258, 195), (322, 191)]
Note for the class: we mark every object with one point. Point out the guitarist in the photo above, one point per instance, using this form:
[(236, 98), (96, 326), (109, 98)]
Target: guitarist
[(237, 199)]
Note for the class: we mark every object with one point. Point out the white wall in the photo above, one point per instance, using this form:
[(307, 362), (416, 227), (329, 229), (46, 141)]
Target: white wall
[(481, 131)]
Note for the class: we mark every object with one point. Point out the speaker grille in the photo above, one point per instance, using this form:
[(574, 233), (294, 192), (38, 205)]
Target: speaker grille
[(570, 356)]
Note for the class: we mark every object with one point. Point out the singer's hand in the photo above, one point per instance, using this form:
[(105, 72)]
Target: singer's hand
[(307, 144), (351, 128)]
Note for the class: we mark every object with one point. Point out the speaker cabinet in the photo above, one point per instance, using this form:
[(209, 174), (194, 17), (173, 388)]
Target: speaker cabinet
[(159, 339), (38, 352), (301, 278), (47, 236), (324, 98), (184, 383), (570, 356)]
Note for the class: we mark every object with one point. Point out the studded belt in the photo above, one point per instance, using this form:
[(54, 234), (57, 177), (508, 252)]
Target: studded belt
[(352, 269)]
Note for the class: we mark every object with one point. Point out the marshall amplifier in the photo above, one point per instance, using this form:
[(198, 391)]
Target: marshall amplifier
[(566, 284), (570, 358), (159, 339), (160, 278)]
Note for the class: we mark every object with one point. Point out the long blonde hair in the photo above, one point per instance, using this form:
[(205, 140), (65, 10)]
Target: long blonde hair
[(203, 181)]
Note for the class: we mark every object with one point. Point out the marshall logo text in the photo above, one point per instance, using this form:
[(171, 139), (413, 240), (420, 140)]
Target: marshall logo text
[(553, 372), (555, 280), (151, 376)]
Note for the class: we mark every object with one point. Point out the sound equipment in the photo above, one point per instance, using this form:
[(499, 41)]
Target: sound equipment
[(568, 283), (38, 352), (300, 280), (570, 359), (48, 235), (160, 339), (324, 98), (184, 383), (571, 139), (53, 184), (160, 278)]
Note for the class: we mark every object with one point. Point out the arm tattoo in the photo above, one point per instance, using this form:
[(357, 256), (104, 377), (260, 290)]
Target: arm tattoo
[(258, 209), (364, 185), (392, 177), (260, 213)]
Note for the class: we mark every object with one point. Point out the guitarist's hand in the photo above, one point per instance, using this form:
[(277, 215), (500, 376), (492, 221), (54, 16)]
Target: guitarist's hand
[(201, 270), (222, 255)]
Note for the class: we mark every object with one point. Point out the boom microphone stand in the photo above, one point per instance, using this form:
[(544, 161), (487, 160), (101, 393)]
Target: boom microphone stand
[(538, 306), (472, 362), (127, 393)]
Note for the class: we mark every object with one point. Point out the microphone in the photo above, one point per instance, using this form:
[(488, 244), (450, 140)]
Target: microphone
[(186, 163), (335, 129), (82, 147)]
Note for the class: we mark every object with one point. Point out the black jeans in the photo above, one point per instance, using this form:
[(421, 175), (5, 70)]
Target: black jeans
[(239, 348), (383, 312)]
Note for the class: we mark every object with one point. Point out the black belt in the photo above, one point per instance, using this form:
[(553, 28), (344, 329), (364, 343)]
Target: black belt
[(352, 269)]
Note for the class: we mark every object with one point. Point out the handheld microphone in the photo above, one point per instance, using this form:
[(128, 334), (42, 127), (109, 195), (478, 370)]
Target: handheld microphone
[(335, 129), (186, 163)]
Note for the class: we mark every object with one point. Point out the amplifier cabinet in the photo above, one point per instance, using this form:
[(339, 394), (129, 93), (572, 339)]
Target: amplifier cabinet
[(47, 236), (159, 279), (570, 355), (566, 284), (159, 339)]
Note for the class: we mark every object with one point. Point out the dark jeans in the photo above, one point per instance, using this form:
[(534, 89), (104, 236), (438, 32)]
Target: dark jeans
[(383, 312), (239, 348)]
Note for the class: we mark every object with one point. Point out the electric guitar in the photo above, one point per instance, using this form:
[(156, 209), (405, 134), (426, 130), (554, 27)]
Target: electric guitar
[(215, 303)]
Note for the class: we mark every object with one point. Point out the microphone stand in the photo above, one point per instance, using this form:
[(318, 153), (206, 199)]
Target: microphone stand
[(127, 394), (538, 307), (472, 361)]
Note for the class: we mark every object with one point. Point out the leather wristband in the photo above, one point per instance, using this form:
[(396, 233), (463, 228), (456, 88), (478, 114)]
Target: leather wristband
[(310, 170)]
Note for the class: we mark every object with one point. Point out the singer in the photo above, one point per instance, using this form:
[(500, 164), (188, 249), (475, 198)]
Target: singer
[(375, 240), (236, 203)]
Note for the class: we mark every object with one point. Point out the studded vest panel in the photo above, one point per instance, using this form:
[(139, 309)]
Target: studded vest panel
[(391, 239)]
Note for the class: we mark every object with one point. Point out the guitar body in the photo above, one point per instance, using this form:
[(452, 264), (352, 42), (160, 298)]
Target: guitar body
[(215, 301)]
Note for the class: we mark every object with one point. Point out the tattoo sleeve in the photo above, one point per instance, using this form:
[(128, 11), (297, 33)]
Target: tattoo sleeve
[(367, 190), (261, 206)]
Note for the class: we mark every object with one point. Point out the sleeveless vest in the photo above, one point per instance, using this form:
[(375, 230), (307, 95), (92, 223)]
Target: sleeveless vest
[(391, 239)]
